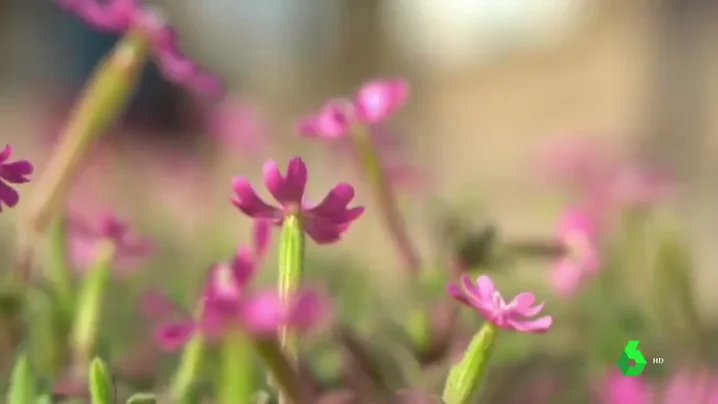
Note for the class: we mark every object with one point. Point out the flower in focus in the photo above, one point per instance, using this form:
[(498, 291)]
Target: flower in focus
[(324, 222), (120, 16), (578, 236), (237, 125), (15, 172), (682, 387), (84, 237), (227, 302), (514, 316)]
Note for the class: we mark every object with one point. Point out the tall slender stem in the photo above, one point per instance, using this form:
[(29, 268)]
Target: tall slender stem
[(374, 170)]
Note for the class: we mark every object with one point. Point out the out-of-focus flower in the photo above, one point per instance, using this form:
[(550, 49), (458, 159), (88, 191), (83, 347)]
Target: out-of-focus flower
[(120, 16), (84, 236), (324, 222), (227, 302), (15, 172), (237, 126), (603, 178), (682, 387), (513, 316), (578, 235), (375, 101)]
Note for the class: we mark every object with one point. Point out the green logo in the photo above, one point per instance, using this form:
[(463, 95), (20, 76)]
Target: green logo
[(630, 353)]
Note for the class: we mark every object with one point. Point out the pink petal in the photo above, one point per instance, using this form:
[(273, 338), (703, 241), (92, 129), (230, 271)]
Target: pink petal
[(620, 389), (322, 230), (8, 195), (377, 100), (486, 288), (248, 202), (263, 314), (6, 153), (539, 325), (172, 336), (243, 267), (334, 205), (566, 278), (472, 292), (262, 234), (306, 310), (296, 180), (16, 172), (458, 294)]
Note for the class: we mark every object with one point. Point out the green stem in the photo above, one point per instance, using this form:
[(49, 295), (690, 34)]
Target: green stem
[(58, 269), (396, 226), (189, 368), (282, 372), (465, 377), (90, 303), (104, 99), (236, 376), (291, 270)]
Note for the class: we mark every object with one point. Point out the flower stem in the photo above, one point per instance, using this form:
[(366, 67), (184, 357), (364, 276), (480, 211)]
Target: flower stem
[(291, 270), (104, 99), (236, 376), (89, 304), (285, 375), (374, 170), (465, 377), (189, 368)]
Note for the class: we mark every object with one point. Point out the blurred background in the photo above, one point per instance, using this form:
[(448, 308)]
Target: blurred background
[(491, 81)]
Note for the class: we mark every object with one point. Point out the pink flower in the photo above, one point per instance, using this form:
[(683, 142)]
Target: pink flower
[(324, 222), (227, 302), (637, 187), (16, 172), (682, 387), (578, 235), (237, 125), (120, 16), (375, 101), (514, 316), (83, 239)]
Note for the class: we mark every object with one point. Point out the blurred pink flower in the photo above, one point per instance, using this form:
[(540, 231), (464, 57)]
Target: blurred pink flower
[(120, 16), (15, 172), (601, 177), (375, 101), (324, 223), (578, 235), (83, 238), (514, 316), (682, 387), (227, 302), (237, 126)]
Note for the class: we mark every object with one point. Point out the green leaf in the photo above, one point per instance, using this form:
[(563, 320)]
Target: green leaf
[(102, 387), (23, 389), (142, 398), (44, 399)]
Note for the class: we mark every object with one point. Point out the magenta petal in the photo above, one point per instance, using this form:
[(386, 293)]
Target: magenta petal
[(263, 314), (334, 205), (322, 230), (8, 196), (539, 325), (620, 389), (172, 336), (296, 180), (457, 294), (377, 100), (471, 291), (16, 172), (306, 310), (522, 302), (6, 153), (243, 267), (262, 234), (249, 202)]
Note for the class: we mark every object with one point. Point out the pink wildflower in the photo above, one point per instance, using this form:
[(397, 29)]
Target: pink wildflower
[(324, 222), (227, 302), (682, 387), (16, 172), (514, 316), (120, 16), (578, 235), (637, 187), (83, 238)]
